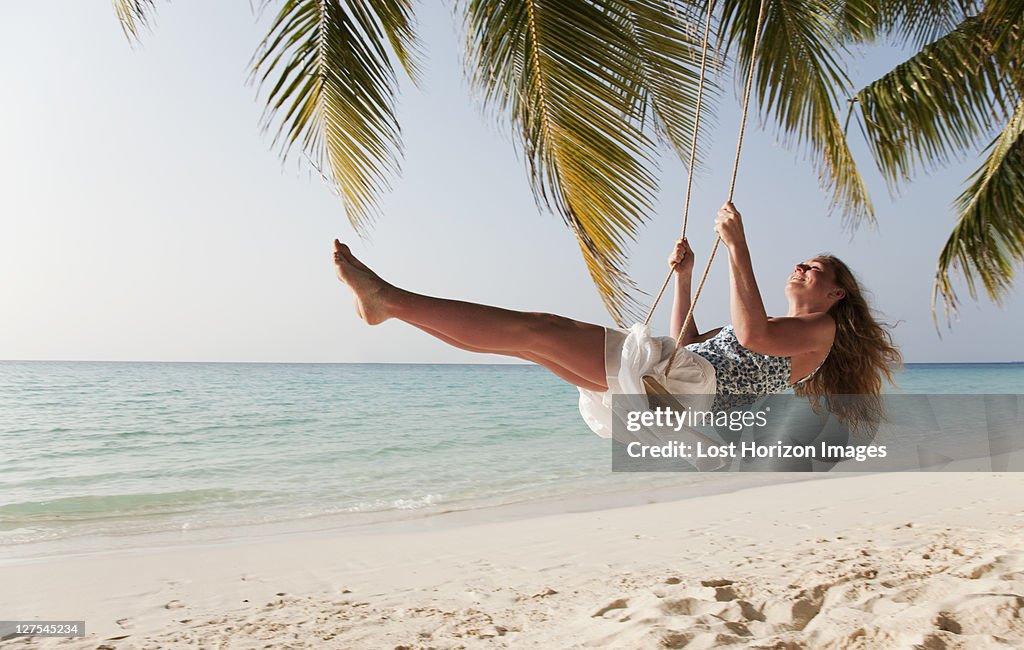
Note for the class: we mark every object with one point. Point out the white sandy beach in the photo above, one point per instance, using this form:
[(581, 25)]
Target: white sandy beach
[(845, 561)]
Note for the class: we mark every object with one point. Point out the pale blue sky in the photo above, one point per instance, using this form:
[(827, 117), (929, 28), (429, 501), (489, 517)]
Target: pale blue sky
[(143, 216)]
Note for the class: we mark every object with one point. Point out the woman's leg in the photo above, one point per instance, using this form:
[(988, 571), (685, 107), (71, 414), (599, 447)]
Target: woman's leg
[(562, 372), (573, 346)]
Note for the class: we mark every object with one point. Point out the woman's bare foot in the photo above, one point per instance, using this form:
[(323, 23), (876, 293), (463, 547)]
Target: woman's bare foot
[(367, 287)]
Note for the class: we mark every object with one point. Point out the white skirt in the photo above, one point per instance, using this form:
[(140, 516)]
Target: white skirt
[(631, 355)]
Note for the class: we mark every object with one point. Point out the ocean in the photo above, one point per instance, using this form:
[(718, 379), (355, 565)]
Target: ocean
[(110, 451)]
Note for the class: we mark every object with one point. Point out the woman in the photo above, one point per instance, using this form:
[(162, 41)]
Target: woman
[(829, 344)]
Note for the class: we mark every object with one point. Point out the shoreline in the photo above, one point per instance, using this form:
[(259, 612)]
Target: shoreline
[(687, 486), (862, 561)]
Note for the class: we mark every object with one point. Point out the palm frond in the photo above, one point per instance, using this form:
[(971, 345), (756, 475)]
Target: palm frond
[(1005, 19), (568, 76), (798, 81), (334, 91), (670, 50), (923, 21), (937, 104), (988, 240), (134, 15), (396, 19), (915, 23)]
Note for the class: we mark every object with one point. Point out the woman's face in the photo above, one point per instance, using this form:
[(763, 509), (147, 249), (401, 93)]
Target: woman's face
[(813, 281)]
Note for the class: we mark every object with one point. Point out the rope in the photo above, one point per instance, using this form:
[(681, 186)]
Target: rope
[(693, 147), (732, 183)]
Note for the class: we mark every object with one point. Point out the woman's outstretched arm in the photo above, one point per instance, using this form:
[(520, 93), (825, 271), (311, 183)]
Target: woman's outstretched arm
[(681, 263), (749, 318), (754, 329)]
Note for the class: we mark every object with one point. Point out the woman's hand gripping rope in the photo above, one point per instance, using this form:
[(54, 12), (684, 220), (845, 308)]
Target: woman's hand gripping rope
[(681, 259)]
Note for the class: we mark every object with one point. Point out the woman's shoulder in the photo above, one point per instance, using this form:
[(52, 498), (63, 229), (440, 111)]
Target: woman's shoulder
[(819, 326)]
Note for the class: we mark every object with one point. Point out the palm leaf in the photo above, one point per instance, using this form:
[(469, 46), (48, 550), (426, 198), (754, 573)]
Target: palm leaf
[(570, 78), (396, 19), (923, 21), (798, 76), (133, 15), (917, 23), (333, 91), (669, 43), (937, 104), (988, 240)]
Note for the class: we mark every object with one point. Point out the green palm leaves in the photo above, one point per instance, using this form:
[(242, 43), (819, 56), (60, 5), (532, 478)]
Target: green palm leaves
[(943, 103), (989, 236), (333, 91), (801, 85), (133, 15), (593, 88), (577, 80)]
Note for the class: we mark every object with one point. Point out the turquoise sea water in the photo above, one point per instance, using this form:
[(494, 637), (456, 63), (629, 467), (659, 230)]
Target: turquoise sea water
[(117, 449)]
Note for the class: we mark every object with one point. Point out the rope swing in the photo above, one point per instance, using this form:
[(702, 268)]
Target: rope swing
[(652, 386)]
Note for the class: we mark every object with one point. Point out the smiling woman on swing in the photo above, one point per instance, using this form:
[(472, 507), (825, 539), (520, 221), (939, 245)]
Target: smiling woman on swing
[(829, 344)]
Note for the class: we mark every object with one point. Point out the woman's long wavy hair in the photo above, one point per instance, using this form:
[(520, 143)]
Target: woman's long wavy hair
[(850, 380)]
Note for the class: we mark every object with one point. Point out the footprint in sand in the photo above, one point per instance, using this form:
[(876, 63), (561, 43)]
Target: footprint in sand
[(690, 607), (985, 614), (676, 639), (796, 613), (725, 594), (620, 603)]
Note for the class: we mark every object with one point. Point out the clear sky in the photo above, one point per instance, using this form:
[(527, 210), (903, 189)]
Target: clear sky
[(143, 216)]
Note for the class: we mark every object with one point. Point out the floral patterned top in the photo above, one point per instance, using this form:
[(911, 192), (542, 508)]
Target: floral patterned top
[(742, 376)]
